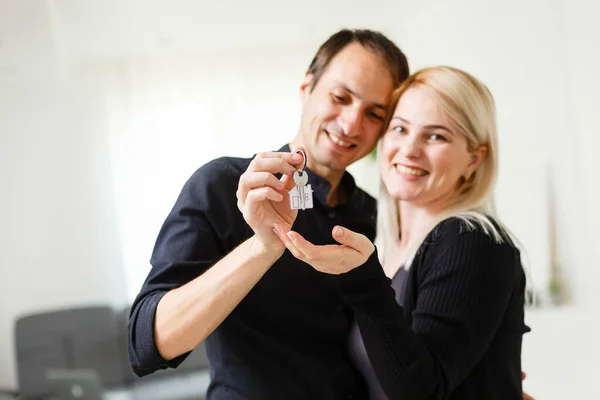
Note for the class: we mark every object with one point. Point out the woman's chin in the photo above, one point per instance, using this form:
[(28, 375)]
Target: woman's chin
[(402, 194)]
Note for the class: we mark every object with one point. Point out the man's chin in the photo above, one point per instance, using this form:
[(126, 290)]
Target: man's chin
[(335, 165), (335, 160)]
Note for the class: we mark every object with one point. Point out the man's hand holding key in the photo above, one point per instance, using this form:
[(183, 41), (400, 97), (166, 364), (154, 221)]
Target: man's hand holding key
[(263, 199)]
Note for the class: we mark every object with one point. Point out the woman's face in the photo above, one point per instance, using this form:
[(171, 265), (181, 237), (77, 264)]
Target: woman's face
[(424, 155)]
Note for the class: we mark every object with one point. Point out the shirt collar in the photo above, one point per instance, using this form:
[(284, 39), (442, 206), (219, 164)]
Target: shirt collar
[(321, 186)]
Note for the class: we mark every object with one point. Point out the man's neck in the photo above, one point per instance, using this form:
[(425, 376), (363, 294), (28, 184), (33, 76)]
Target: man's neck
[(336, 196), (336, 193)]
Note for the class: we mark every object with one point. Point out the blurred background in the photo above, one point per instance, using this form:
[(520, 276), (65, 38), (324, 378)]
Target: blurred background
[(107, 107)]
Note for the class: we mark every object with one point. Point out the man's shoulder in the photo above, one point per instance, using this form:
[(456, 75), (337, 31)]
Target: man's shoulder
[(215, 181), (221, 170), (226, 165)]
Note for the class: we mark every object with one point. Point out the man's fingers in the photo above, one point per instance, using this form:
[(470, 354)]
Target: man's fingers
[(261, 194), (279, 154), (288, 182), (284, 163), (262, 170), (292, 157), (272, 165), (295, 159), (258, 179), (352, 239)]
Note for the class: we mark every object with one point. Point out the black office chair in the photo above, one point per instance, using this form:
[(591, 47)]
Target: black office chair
[(7, 394), (75, 384), (78, 338)]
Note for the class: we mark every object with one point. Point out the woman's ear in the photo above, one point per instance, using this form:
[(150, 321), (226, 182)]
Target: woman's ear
[(306, 86), (477, 157)]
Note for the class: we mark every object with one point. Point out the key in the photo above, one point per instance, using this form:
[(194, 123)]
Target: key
[(301, 179), (301, 195)]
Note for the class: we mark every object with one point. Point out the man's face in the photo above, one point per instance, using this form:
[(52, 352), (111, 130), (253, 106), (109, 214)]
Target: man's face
[(343, 115)]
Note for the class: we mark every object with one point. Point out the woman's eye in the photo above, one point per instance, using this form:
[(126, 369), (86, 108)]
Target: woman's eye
[(437, 137), (398, 129)]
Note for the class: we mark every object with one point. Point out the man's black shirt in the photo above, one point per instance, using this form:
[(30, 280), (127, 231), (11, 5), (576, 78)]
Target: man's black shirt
[(288, 337)]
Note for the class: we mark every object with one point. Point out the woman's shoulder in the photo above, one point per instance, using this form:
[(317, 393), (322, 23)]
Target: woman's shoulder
[(475, 232), (470, 245), (470, 224)]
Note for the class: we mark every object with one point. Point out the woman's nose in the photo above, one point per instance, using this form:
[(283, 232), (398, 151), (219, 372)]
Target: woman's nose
[(410, 147)]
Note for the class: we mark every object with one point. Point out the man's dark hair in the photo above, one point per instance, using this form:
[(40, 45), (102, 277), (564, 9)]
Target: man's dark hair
[(374, 41)]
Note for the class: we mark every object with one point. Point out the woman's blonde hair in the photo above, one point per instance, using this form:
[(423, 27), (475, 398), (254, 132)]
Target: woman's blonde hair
[(470, 106)]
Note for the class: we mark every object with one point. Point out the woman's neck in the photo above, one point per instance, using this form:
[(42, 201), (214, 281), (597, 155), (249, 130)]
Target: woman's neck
[(413, 221), (417, 219)]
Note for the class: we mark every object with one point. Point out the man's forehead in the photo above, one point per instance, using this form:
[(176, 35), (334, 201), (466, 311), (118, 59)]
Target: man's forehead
[(362, 72), (382, 100)]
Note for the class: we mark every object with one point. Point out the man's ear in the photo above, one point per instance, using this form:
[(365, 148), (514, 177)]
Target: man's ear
[(306, 86)]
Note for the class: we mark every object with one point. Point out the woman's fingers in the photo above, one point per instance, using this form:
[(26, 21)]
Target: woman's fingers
[(288, 242), (351, 239)]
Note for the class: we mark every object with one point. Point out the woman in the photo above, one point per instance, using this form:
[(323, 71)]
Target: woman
[(450, 325)]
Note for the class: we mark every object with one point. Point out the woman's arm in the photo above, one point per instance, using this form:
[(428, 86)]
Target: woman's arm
[(462, 297)]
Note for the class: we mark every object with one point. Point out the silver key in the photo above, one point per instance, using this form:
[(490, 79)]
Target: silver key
[(300, 178), (301, 195)]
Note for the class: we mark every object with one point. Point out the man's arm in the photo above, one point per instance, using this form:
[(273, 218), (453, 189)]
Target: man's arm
[(187, 315), (196, 281)]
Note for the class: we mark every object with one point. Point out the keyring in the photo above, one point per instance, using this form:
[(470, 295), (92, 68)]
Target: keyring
[(304, 162)]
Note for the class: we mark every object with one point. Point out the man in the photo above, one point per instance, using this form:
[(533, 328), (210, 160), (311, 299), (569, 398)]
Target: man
[(273, 327)]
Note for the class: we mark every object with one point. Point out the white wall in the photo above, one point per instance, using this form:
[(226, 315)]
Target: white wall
[(59, 243), (581, 46), (169, 116)]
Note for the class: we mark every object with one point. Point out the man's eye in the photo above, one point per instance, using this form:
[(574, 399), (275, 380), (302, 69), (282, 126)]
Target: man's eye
[(376, 116)]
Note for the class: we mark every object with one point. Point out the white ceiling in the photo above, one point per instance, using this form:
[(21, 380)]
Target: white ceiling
[(38, 37)]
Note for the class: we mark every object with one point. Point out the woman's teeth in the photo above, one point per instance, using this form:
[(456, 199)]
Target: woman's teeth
[(410, 171)]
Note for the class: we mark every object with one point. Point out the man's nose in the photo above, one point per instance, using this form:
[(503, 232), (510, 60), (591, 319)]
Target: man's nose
[(350, 121)]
